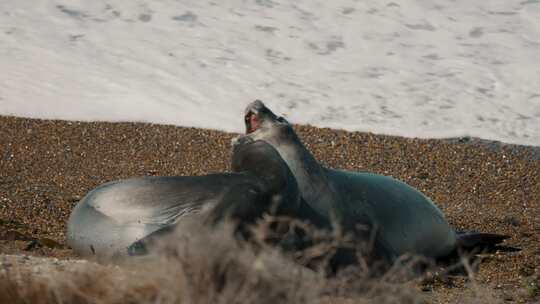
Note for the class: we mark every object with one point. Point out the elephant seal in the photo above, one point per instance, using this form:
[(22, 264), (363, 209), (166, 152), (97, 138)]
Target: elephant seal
[(116, 215), (404, 219)]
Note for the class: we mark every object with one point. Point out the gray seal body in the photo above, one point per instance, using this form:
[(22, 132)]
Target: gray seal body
[(406, 221), (115, 215)]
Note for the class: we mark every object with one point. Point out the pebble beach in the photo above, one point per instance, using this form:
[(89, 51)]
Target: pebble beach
[(47, 166)]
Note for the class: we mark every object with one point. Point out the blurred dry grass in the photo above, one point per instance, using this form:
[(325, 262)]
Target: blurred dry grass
[(199, 265)]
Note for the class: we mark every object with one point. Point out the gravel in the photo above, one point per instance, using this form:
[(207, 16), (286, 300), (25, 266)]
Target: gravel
[(47, 166)]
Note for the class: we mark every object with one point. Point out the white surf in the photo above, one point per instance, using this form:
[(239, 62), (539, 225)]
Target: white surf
[(413, 68)]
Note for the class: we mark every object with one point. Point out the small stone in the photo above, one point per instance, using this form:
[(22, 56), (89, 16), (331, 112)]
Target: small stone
[(14, 235), (511, 220), (423, 175), (74, 198), (49, 243), (526, 270), (426, 288), (508, 297), (33, 244)]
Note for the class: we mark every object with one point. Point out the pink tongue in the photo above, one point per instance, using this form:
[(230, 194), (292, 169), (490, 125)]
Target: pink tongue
[(253, 123)]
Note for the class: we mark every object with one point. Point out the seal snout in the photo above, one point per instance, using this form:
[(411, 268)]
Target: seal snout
[(257, 115), (251, 118)]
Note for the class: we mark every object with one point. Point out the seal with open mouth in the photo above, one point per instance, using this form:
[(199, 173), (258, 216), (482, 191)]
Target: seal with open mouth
[(405, 220)]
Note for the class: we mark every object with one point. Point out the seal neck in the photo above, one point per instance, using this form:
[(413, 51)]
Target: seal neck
[(310, 175)]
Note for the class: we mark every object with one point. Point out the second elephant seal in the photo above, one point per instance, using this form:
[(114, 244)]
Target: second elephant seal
[(405, 220)]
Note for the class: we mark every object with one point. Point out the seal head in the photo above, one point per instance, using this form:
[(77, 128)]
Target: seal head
[(257, 116)]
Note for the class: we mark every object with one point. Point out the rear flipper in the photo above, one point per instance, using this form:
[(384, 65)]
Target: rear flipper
[(142, 246), (468, 245), (477, 242)]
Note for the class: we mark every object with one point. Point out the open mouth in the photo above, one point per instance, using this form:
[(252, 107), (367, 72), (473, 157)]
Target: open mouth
[(252, 123)]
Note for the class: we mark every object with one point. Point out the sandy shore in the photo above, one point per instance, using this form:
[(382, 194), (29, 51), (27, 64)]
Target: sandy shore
[(47, 166)]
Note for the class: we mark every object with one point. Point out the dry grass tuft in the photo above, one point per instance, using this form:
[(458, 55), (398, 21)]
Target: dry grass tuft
[(211, 267), (197, 265)]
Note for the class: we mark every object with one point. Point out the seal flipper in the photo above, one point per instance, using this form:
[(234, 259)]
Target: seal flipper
[(243, 203), (475, 241), (142, 246)]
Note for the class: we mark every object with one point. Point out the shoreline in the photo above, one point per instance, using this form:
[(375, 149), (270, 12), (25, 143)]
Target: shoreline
[(492, 143)]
